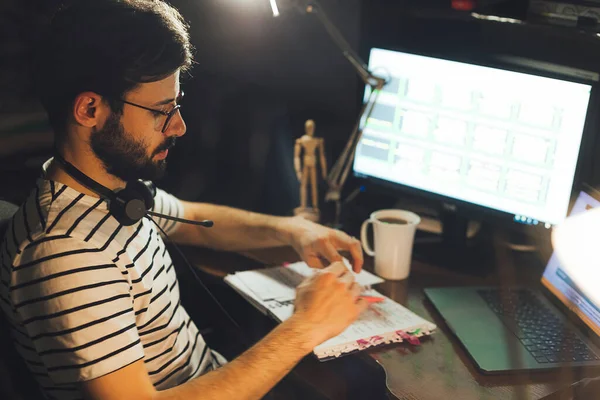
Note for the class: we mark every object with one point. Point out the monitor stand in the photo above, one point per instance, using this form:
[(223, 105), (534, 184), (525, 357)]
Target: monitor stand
[(453, 249)]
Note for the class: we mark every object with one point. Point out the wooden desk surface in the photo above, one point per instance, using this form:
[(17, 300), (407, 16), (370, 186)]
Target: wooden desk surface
[(439, 367)]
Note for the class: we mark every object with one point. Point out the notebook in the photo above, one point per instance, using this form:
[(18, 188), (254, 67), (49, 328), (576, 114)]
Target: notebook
[(272, 291)]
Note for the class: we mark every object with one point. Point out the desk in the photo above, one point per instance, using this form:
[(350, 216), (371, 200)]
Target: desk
[(438, 368)]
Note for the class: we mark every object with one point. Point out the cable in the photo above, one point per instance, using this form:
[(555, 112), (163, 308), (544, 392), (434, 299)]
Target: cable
[(231, 319)]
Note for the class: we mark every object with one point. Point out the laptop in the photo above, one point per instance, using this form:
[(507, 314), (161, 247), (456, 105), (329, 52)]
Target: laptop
[(511, 330)]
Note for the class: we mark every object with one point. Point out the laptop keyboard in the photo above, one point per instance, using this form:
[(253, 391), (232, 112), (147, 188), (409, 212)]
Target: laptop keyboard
[(544, 335)]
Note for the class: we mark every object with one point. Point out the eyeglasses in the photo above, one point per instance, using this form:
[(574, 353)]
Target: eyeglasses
[(168, 114)]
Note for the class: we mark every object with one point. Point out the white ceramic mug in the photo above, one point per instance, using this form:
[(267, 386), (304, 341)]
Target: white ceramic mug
[(393, 242)]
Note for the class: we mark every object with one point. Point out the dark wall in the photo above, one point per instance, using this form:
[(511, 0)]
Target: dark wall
[(290, 55)]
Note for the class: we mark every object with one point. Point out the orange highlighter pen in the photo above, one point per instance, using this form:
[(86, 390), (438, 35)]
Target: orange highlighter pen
[(372, 299)]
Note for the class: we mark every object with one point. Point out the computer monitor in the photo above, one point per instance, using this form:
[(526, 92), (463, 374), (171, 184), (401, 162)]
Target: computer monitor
[(505, 140)]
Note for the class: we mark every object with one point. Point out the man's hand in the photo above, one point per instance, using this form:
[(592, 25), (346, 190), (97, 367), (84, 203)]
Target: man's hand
[(327, 303), (319, 246)]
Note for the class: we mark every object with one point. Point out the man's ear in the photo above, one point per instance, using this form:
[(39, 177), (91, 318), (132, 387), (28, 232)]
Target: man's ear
[(89, 109)]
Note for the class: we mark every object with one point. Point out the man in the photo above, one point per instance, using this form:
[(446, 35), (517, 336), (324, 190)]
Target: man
[(94, 303)]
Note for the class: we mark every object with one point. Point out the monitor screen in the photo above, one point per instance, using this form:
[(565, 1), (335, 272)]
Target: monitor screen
[(500, 139), (562, 281)]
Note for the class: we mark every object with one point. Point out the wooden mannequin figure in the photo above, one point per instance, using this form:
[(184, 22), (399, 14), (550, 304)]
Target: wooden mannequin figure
[(311, 146)]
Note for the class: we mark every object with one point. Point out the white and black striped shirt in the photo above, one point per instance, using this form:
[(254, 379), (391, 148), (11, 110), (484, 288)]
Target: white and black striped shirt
[(86, 295)]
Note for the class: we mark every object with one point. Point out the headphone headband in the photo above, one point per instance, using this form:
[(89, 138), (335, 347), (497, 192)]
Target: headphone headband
[(128, 205), (84, 179)]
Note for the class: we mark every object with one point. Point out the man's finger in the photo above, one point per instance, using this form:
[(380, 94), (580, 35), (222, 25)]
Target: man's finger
[(357, 255), (315, 263), (345, 242), (355, 289), (361, 306), (348, 279), (329, 252), (338, 269)]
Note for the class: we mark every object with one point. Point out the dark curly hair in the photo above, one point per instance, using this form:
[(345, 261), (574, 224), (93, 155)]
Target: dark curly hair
[(108, 47)]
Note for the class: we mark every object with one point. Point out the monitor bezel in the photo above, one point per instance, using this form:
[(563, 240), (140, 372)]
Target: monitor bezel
[(528, 66)]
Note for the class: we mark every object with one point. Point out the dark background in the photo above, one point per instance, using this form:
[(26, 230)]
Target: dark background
[(258, 78)]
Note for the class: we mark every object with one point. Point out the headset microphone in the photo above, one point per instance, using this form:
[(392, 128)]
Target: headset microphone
[(127, 205), (206, 223)]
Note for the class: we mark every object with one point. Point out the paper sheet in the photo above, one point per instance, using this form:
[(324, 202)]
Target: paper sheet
[(364, 278), (385, 317), (280, 283), (282, 310)]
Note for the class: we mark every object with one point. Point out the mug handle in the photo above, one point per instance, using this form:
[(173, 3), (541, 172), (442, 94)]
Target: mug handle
[(363, 238)]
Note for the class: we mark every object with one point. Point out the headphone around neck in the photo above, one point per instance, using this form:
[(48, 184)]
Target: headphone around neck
[(128, 205)]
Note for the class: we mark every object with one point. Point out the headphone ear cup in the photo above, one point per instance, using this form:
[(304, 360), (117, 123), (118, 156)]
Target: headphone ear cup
[(142, 190), (118, 209), (148, 192), (132, 202)]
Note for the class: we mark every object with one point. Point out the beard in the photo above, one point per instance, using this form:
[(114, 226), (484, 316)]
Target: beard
[(125, 157)]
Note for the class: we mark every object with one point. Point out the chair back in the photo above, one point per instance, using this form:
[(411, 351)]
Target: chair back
[(7, 210)]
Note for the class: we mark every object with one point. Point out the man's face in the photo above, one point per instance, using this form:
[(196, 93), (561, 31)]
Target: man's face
[(131, 146)]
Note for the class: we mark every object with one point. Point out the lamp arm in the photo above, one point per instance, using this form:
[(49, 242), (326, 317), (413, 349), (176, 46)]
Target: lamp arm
[(339, 172), (358, 134), (313, 7)]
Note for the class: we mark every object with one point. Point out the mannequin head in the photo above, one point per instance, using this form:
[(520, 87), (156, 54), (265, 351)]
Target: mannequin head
[(309, 126)]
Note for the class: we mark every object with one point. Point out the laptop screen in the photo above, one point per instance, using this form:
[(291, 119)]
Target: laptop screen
[(558, 281)]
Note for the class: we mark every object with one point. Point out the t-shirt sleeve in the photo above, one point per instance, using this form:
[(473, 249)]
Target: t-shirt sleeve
[(166, 203), (76, 307)]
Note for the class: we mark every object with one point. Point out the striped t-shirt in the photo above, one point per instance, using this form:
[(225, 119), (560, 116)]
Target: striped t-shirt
[(86, 295)]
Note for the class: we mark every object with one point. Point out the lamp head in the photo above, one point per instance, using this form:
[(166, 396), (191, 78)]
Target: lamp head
[(274, 8), (301, 5)]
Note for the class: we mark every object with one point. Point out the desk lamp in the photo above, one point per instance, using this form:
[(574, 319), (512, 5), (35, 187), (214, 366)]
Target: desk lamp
[(339, 172)]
